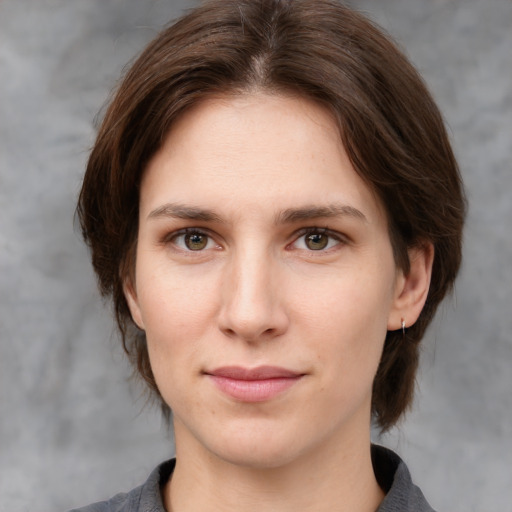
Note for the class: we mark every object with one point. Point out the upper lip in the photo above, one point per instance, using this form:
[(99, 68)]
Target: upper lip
[(258, 373)]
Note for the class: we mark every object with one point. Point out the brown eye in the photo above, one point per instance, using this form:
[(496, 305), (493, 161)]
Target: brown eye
[(316, 241), (196, 241)]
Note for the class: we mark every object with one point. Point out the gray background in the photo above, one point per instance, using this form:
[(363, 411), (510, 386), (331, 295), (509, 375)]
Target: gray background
[(71, 426)]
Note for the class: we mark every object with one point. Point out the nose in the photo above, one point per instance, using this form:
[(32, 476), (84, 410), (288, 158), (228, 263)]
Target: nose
[(253, 306)]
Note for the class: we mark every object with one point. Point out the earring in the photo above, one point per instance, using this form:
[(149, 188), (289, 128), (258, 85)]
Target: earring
[(403, 327)]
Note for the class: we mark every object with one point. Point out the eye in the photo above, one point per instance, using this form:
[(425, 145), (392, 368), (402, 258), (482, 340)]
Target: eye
[(317, 240), (193, 240)]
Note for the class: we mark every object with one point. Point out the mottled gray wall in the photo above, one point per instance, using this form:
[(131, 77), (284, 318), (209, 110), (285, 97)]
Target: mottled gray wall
[(71, 430)]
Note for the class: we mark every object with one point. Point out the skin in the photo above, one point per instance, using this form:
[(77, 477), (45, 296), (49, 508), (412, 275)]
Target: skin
[(261, 289)]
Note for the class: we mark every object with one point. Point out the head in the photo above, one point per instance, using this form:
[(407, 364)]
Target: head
[(386, 120)]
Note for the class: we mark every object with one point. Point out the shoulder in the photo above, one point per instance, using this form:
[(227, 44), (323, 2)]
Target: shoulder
[(123, 502), (145, 498), (394, 478)]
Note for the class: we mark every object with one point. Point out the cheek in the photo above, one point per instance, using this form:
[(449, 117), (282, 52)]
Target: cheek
[(171, 297), (176, 308), (348, 320)]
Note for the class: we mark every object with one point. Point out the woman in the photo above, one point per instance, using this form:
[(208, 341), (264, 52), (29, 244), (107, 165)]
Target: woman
[(273, 205)]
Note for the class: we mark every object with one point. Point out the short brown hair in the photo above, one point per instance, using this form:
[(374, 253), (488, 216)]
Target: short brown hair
[(389, 124)]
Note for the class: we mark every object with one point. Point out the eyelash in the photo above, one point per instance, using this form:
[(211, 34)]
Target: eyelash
[(172, 237), (332, 236), (301, 234)]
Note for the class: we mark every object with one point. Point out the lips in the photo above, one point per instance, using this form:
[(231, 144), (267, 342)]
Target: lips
[(253, 384)]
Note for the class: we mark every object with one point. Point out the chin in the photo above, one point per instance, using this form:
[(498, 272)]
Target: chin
[(259, 448), (258, 457)]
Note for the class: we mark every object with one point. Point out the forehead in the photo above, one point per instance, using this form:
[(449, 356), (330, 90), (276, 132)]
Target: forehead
[(255, 150)]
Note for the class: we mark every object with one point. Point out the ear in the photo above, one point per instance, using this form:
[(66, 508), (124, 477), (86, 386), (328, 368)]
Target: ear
[(411, 290), (130, 294)]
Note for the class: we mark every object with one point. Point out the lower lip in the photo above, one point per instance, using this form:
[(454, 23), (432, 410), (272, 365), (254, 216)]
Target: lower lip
[(254, 390)]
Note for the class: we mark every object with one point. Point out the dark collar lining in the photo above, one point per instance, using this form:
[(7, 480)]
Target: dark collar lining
[(385, 463)]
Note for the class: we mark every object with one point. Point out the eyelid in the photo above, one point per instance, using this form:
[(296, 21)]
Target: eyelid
[(169, 238), (336, 235)]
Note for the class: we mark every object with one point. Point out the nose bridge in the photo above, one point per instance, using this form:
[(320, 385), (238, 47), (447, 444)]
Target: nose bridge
[(252, 305)]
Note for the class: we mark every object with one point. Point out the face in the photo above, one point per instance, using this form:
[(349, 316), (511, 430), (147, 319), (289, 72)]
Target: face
[(264, 280)]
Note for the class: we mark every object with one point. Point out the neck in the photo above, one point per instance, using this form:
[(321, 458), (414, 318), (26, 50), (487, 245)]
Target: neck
[(338, 480)]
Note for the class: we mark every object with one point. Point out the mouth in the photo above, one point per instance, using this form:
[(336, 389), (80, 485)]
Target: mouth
[(253, 384)]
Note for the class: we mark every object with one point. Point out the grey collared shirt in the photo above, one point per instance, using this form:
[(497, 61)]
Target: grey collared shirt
[(391, 473)]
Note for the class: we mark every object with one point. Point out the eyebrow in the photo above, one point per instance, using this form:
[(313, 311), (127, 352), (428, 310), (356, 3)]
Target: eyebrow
[(288, 216), (291, 215), (181, 211)]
